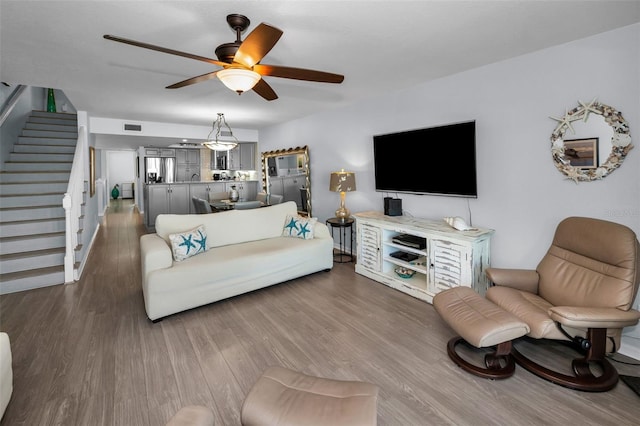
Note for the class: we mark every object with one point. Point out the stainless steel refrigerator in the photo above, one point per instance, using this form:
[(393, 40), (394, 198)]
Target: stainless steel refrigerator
[(160, 170)]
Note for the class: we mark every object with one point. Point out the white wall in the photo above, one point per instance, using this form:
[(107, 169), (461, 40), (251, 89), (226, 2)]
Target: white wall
[(121, 168), (31, 99), (521, 194), (117, 137)]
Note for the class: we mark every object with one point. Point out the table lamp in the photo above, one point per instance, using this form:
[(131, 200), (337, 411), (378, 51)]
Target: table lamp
[(342, 182)]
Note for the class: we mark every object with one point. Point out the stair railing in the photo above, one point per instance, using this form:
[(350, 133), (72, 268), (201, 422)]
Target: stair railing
[(11, 102), (72, 203)]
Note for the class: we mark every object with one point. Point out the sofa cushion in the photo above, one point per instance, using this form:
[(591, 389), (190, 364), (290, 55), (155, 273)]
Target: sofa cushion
[(6, 372), (188, 243), (232, 227), (299, 227)]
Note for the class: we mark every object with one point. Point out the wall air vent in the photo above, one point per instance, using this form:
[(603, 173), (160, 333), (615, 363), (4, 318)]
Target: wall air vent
[(225, 133), (132, 127)]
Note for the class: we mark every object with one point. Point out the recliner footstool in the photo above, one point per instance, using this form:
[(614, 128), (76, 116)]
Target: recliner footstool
[(285, 397), (482, 324)]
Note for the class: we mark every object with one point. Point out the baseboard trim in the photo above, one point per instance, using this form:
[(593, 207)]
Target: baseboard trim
[(86, 253), (630, 347)]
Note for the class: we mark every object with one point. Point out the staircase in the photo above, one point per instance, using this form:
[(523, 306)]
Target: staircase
[(32, 220)]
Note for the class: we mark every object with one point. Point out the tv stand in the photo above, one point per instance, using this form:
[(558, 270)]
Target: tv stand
[(450, 258)]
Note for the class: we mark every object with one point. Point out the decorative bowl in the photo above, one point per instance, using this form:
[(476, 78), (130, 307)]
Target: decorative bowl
[(404, 272)]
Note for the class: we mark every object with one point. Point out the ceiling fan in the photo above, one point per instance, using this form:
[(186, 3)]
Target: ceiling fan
[(240, 60)]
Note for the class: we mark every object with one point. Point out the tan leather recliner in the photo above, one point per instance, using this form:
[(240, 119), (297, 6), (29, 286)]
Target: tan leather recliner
[(582, 291)]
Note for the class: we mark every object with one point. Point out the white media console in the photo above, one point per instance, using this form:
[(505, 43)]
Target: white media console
[(445, 257)]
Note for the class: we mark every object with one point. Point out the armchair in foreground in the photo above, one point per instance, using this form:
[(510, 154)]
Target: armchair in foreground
[(581, 293)]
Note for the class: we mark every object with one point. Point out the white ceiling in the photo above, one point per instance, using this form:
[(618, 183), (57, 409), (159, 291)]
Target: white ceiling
[(379, 46)]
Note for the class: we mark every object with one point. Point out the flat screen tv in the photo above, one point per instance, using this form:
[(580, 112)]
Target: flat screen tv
[(437, 160)]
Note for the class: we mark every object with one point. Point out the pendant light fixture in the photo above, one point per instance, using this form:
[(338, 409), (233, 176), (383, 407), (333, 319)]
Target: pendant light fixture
[(216, 144)]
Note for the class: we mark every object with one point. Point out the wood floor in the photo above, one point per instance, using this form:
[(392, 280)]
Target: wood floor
[(86, 354)]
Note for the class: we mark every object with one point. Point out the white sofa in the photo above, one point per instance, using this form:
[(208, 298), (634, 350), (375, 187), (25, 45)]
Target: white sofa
[(246, 252), (6, 372)]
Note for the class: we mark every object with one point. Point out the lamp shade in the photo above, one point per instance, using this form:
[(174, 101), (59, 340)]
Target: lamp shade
[(238, 79), (342, 181)]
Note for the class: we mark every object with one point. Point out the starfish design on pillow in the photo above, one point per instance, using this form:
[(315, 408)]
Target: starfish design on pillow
[(186, 242), (304, 230), (292, 225), (202, 242)]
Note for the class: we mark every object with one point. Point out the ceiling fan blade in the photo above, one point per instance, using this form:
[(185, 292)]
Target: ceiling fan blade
[(298, 73), (257, 44), (193, 80), (165, 50), (263, 89)]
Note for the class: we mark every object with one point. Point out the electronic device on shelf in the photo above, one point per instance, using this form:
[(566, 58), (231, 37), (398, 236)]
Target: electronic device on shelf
[(412, 241), (403, 255)]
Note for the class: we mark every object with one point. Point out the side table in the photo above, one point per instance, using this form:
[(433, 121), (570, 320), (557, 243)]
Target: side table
[(342, 225)]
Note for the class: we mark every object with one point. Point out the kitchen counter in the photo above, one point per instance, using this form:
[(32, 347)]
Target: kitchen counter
[(176, 197), (204, 181)]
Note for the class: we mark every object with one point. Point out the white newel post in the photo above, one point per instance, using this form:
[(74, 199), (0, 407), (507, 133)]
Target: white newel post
[(68, 254)]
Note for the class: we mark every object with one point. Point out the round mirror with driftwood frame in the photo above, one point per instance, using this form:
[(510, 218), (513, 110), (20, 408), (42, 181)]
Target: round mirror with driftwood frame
[(286, 172), (584, 135)]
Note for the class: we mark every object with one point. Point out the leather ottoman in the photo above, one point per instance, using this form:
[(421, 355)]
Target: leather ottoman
[(482, 324), (285, 397)]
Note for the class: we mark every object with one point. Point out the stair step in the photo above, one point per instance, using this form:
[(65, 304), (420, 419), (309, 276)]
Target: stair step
[(17, 262), (25, 200), (35, 278), (44, 148), (25, 243), (49, 134), (56, 127), (31, 227), (22, 176), (53, 120), (11, 214), (21, 188), (55, 115), (34, 140), (40, 157), (34, 166)]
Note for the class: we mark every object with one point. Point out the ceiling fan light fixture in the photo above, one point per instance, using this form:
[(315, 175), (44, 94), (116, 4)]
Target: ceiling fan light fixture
[(239, 80)]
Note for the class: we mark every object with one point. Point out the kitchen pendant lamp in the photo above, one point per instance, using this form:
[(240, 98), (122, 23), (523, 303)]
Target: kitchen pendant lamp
[(216, 144)]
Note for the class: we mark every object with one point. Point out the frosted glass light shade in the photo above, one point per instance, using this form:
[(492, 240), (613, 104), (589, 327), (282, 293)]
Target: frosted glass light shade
[(238, 79), (219, 145)]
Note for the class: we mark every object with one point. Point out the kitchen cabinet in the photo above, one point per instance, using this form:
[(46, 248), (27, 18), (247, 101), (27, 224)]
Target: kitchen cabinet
[(161, 199), (242, 157), (160, 152), (276, 186), (291, 188), (204, 190), (219, 160), (288, 187), (440, 256), (247, 190), (188, 156), (126, 189), (187, 165)]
